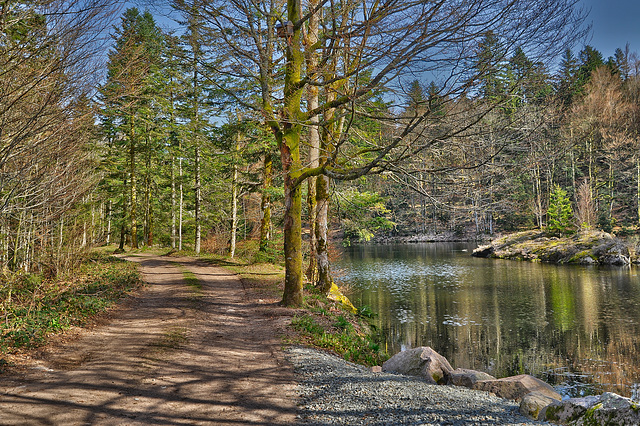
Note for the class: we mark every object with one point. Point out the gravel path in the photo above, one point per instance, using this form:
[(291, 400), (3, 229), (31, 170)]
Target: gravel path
[(336, 392)]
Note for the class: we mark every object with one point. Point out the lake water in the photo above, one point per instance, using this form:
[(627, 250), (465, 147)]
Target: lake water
[(576, 327)]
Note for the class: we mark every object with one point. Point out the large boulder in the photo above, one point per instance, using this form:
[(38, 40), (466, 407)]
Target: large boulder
[(533, 403), (517, 387), (422, 362), (568, 410), (606, 409), (467, 378)]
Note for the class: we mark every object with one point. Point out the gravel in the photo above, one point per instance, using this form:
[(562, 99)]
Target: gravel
[(336, 392)]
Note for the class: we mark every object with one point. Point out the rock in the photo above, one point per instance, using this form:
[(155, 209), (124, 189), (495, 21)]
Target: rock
[(532, 403), (467, 378), (517, 387), (612, 409), (568, 410), (422, 362), (376, 369), (483, 251), (606, 409)]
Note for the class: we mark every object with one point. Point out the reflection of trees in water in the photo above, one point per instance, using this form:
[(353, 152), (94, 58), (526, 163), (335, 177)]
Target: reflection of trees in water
[(558, 323)]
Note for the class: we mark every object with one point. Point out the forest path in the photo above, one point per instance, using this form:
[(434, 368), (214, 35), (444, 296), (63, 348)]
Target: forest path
[(175, 354)]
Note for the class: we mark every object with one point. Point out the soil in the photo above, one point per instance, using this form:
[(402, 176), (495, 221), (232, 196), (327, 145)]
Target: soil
[(173, 354)]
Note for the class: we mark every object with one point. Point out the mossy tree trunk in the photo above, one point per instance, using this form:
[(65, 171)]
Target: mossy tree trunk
[(312, 95), (288, 138), (265, 203)]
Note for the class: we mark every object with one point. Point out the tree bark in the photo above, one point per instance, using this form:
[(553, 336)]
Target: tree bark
[(173, 202), (109, 222), (234, 210), (265, 203), (132, 178), (289, 143), (314, 143)]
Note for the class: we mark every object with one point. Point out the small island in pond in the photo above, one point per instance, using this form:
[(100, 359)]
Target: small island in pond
[(586, 248)]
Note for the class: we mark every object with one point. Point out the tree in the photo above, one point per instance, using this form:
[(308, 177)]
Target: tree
[(364, 47), (48, 63), (559, 213), (127, 95)]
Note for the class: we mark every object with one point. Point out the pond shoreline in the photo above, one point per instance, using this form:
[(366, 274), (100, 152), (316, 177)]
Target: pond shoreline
[(573, 326), (582, 248)]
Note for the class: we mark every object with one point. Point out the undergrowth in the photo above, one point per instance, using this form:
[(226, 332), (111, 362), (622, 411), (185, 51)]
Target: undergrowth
[(351, 336), (32, 307)]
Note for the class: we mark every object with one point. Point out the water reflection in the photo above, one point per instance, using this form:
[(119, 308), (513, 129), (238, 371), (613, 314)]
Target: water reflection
[(576, 327)]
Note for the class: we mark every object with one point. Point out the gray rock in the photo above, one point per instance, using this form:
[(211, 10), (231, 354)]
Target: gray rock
[(533, 403), (467, 378), (422, 362), (483, 251), (612, 409), (517, 387), (568, 410)]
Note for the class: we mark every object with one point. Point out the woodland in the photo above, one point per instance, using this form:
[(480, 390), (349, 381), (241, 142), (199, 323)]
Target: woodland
[(276, 122)]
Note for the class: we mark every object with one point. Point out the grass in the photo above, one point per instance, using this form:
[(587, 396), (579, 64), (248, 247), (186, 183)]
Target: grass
[(173, 338), (31, 308), (345, 335)]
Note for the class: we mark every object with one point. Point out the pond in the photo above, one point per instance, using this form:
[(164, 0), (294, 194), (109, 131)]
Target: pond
[(576, 327)]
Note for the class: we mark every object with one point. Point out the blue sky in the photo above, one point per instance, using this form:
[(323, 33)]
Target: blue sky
[(615, 23)]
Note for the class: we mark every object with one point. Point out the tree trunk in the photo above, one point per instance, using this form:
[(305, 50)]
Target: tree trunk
[(324, 281), (173, 202), (289, 143), (181, 206), (147, 195), (265, 204), (292, 220), (314, 143), (234, 210), (198, 200), (132, 177), (123, 227), (109, 222)]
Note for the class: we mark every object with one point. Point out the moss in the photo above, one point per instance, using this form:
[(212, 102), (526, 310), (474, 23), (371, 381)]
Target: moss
[(577, 258), (552, 412)]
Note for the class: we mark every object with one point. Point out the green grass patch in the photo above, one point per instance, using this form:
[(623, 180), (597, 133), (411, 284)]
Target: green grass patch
[(31, 307), (173, 338), (347, 335), (191, 280)]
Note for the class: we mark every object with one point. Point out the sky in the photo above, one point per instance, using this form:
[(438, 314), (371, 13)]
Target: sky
[(614, 24)]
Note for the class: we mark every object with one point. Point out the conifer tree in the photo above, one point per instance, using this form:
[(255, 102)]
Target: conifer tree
[(559, 213)]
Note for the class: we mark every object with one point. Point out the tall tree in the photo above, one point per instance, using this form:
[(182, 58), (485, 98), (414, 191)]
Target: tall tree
[(128, 93), (363, 47)]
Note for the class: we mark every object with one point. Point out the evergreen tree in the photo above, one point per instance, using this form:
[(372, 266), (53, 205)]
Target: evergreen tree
[(567, 79), (559, 213), (127, 98), (490, 57), (590, 60)]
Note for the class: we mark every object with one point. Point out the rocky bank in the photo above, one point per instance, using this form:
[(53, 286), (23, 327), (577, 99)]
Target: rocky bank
[(585, 248)]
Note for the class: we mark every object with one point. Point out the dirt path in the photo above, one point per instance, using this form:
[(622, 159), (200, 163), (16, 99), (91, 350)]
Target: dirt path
[(174, 355)]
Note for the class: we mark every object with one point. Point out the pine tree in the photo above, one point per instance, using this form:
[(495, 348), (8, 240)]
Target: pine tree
[(128, 102), (559, 213)]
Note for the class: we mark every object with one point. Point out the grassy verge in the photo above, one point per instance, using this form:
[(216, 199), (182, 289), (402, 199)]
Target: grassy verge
[(32, 308), (327, 325)]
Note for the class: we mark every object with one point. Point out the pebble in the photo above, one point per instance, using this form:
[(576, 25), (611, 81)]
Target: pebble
[(333, 391)]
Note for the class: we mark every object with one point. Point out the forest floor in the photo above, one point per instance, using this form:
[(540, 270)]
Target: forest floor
[(178, 352)]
